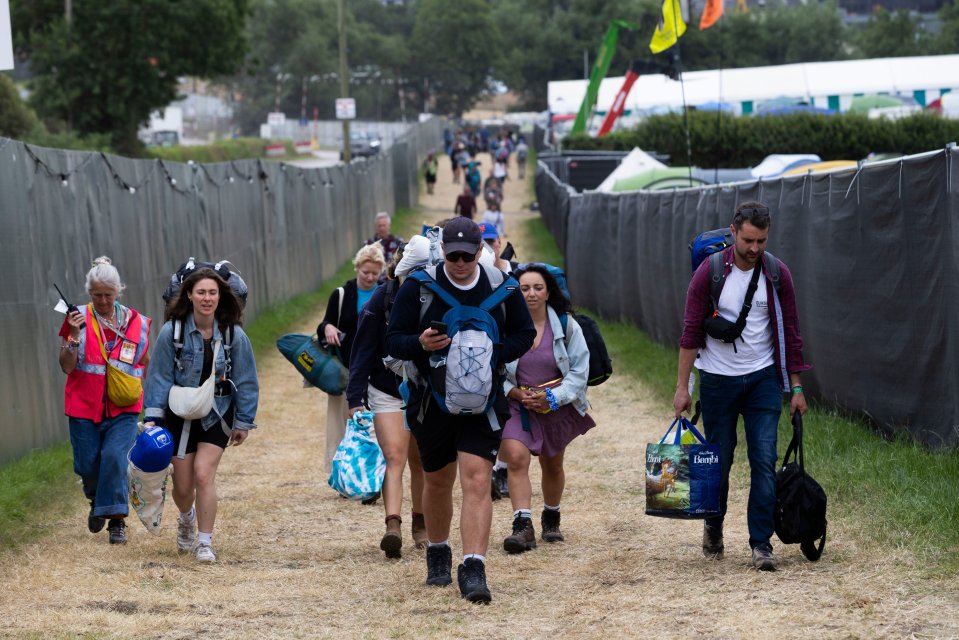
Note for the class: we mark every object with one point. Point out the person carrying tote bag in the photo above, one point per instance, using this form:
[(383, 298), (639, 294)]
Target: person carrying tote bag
[(202, 386)]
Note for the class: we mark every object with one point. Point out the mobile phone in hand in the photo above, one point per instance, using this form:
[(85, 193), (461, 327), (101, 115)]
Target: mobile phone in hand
[(438, 327)]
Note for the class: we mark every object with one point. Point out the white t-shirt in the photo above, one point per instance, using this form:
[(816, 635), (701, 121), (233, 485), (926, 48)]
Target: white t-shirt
[(463, 287), (496, 219), (754, 349)]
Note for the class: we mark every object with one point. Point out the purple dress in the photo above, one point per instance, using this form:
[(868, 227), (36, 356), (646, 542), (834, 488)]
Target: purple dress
[(549, 433)]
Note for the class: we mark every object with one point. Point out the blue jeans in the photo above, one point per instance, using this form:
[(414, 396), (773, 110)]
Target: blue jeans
[(757, 397), (100, 459)]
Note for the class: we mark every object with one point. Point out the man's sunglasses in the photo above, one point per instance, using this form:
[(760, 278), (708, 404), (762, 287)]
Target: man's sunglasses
[(460, 256)]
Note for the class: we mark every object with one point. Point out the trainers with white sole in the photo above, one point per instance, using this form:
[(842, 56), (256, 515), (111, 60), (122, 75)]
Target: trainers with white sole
[(204, 553), (185, 535)]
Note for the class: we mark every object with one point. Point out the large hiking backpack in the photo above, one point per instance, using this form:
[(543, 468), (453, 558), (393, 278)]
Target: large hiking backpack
[(711, 245), (800, 516), (600, 364), (232, 277), (463, 380)]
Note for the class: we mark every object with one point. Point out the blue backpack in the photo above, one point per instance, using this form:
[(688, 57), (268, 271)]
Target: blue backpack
[(711, 244), (464, 379)]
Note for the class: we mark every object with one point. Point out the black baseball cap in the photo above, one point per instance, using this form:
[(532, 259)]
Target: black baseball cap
[(462, 234)]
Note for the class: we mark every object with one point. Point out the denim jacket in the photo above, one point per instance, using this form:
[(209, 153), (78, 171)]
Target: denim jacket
[(572, 362), (163, 373)]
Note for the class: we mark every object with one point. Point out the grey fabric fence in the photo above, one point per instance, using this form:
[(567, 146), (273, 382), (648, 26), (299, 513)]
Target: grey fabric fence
[(286, 229), (874, 253)]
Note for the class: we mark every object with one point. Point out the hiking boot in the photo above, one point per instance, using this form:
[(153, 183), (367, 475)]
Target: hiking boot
[(118, 531), (439, 563), (763, 558), (185, 535), (713, 541), (204, 553), (418, 530), (523, 538), (95, 523), (392, 541), (499, 487), (471, 576), (372, 499), (550, 524)]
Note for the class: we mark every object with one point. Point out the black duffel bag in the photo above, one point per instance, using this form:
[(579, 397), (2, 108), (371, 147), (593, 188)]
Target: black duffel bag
[(800, 501)]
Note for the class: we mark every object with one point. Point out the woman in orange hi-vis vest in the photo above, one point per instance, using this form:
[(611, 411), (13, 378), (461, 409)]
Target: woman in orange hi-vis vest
[(102, 432)]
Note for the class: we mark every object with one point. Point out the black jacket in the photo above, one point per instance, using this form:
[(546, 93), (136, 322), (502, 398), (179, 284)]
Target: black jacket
[(369, 349), (347, 323)]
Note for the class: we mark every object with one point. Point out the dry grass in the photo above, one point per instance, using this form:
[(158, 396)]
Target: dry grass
[(296, 561)]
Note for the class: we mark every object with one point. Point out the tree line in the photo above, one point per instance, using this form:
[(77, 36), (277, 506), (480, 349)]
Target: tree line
[(101, 69)]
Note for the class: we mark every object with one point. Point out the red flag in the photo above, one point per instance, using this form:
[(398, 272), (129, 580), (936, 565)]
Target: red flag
[(712, 12)]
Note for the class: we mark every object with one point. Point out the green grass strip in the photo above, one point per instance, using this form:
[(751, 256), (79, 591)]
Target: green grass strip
[(885, 493)]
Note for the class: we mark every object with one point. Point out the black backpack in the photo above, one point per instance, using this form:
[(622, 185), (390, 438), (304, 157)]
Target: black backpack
[(600, 364), (800, 516), (222, 268)]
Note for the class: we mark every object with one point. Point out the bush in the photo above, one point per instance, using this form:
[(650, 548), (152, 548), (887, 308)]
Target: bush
[(220, 151), (720, 140), (16, 118)]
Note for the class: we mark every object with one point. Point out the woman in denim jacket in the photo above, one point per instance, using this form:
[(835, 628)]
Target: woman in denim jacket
[(547, 392), (207, 310)]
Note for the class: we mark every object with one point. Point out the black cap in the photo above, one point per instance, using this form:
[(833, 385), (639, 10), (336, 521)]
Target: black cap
[(461, 234)]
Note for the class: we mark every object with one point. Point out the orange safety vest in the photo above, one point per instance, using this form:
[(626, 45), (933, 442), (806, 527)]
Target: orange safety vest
[(85, 395)]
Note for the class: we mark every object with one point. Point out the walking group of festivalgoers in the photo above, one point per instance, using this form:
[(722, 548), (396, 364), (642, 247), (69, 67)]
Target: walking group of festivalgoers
[(471, 365)]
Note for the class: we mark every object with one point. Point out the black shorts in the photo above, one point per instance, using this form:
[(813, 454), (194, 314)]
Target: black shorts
[(214, 435), (441, 436)]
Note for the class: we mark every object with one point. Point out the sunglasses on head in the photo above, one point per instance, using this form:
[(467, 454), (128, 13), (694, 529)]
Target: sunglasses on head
[(460, 256)]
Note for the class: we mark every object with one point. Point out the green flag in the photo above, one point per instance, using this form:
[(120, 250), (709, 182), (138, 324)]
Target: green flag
[(603, 58)]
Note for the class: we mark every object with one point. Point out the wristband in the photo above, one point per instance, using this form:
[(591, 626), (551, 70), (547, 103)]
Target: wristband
[(553, 403), (797, 389)]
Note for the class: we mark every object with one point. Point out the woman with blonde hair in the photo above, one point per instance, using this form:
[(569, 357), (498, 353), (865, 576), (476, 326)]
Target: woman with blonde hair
[(103, 426), (338, 330)]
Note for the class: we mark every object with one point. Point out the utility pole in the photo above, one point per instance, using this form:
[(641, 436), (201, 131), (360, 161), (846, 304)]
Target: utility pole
[(68, 18), (344, 73)]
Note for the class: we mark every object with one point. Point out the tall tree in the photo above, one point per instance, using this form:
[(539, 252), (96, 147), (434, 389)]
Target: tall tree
[(456, 47), (115, 62), (890, 35)]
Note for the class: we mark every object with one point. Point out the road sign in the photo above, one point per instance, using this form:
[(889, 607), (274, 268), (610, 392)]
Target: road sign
[(345, 109), (6, 38)]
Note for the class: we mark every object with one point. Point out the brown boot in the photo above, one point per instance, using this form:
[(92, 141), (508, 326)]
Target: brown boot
[(523, 538), (392, 540), (418, 530)]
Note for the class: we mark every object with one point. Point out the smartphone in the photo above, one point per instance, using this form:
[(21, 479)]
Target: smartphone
[(438, 327)]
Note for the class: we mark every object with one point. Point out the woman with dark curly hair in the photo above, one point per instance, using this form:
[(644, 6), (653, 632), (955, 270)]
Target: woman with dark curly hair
[(547, 392), (205, 315)]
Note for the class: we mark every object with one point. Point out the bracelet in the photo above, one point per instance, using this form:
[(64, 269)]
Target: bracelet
[(553, 403), (797, 389)]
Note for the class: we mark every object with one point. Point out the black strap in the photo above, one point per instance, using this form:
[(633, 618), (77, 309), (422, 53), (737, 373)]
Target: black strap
[(795, 447)]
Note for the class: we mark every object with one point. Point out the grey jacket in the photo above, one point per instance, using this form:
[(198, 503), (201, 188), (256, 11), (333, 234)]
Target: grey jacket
[(572, 362)]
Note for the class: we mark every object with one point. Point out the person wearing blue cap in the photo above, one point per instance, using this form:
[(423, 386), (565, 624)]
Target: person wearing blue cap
[(492, 239)]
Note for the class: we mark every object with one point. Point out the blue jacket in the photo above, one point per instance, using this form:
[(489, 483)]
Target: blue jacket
[(572, 362), (163, 373)]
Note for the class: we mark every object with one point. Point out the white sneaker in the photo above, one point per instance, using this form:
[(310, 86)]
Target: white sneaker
[(185, 535), (204, 553)]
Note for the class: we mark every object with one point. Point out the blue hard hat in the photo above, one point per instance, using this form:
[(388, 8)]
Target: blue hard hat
[(152, 450)]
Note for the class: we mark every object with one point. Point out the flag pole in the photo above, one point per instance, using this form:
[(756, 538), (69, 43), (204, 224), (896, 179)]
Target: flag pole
[(682, 85)]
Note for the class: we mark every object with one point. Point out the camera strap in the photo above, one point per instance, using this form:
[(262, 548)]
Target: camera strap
[(748, 300)]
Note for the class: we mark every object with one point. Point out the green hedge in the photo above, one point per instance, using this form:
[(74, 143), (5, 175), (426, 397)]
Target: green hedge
[(727, 141), (220, 151)]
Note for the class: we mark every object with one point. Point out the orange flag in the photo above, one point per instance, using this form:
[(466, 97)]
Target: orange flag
[(712, 12)]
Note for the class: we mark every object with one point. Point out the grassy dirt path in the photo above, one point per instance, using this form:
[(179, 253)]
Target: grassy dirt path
[(297, 561)]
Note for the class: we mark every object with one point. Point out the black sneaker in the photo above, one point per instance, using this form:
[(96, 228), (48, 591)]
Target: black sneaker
[(763, 558), (499, 486), (439, 564), (523, 538), (95, 523), (471, 576), (713, 541), (550, 523), (118, 531)]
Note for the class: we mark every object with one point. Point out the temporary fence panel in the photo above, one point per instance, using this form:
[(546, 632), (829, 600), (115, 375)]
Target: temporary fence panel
[(287, 229), (873, 253)]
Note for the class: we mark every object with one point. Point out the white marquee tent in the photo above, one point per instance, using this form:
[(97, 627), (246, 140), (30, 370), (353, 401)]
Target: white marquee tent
[(822, 84)]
